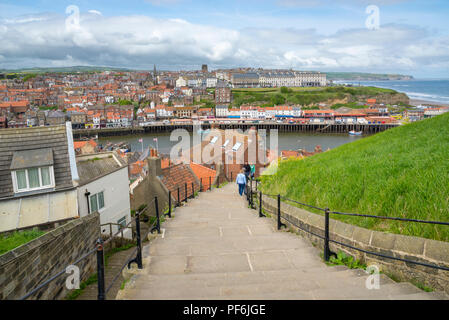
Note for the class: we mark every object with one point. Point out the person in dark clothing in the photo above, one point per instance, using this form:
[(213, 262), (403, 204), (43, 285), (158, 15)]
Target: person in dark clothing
[(247, 170)]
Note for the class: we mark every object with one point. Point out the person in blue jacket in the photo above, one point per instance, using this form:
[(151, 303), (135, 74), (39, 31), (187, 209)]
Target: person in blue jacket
[(241, 182)]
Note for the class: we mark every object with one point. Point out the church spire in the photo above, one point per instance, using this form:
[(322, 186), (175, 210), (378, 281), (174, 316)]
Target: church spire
[(155, 75)]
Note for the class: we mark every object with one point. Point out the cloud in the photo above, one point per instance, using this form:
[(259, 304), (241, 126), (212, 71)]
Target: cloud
[(139, 42), (95, 12)]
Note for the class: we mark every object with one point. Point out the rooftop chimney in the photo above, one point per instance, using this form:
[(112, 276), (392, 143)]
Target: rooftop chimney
[(154, 164)]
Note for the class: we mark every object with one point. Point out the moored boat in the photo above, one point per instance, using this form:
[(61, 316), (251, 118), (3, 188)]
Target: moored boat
[(355, 133)]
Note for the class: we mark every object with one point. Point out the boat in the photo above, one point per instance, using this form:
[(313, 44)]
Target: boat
[(355, 133)]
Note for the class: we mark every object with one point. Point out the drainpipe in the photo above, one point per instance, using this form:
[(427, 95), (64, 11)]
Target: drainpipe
[(87, 194)]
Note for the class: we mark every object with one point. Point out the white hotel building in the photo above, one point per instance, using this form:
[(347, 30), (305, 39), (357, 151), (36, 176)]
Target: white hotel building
[(292, 79)]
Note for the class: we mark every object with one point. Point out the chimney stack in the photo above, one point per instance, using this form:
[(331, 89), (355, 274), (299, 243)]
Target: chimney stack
[(154, 164)]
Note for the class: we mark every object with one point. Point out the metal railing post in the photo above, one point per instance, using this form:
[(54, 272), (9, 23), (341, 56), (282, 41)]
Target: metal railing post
[(100, 270), (210, 183), (179, 198), (218, 182), (279, 212), (201, 184), (251, 195), (231, 177), (185, 192), (158, 221), (326, 235), (260, 205), (139, 242), (193, 191), (169, 204)]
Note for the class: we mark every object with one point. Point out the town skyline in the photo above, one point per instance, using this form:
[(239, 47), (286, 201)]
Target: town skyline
[(411, 37)]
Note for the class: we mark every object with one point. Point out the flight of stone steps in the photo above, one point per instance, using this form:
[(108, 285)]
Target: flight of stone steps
[(215, 247)]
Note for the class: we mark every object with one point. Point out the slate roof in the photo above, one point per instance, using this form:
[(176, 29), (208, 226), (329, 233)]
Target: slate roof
[(23, 139), (94, 166), (177, 176)]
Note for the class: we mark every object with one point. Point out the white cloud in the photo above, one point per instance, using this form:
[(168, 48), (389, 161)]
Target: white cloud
[(139, 42), (95, 12)]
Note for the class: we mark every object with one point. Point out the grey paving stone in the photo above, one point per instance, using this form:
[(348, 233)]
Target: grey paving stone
[(217, 248)]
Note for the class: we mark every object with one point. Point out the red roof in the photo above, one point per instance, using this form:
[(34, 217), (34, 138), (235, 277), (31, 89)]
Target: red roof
[(203, 173), (177, 176), (291, 154), (136, 167), (80, 144)]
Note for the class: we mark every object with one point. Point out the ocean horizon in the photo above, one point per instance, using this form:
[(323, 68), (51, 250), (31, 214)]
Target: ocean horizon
[(418, 89)]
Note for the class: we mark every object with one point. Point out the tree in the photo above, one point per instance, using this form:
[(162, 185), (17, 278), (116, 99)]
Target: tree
[(277, 99), (285, 90)]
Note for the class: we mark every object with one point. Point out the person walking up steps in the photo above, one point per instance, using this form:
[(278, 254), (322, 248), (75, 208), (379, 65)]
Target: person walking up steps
[(241, 182)]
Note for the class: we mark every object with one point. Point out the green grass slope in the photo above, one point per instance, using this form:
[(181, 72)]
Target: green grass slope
[(268, 97), (402, 172)]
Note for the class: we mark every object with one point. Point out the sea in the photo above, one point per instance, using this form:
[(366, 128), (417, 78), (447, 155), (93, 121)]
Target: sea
[(426, 90)]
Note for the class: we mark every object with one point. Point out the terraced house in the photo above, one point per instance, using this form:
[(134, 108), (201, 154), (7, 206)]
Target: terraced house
[(38, 177)]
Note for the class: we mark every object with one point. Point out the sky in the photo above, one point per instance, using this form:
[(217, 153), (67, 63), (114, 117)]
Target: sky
[(380, 36)]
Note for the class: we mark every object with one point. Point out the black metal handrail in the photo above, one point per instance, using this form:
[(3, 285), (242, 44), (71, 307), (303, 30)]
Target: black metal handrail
[(100, 244), (54, 277), (327, 213)]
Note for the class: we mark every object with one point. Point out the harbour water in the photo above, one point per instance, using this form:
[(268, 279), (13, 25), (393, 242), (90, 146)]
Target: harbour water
[(286, 141)]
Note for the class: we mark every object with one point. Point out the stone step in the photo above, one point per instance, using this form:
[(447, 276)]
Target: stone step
[(217, 248), (289, 290)]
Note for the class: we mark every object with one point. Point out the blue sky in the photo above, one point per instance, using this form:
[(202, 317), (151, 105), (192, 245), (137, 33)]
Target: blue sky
[(325, 35)]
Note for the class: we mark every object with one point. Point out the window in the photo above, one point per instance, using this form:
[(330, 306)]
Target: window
[(225, 144), (122, 223), (33, 179), (96, 202)]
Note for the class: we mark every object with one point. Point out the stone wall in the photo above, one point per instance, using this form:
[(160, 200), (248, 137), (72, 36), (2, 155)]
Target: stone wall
[(395, 245), (27, 266)]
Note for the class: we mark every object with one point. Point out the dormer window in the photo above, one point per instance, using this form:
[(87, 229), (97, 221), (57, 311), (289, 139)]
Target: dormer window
[(32, 170)]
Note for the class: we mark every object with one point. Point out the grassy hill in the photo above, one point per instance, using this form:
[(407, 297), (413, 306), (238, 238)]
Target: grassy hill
[(402, 172), (268, 97)]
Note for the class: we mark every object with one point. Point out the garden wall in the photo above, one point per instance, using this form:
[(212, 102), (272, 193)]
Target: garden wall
[(395, 245), (24, 268)]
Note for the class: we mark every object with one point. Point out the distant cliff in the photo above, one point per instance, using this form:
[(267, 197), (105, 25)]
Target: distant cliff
[(358, 76)]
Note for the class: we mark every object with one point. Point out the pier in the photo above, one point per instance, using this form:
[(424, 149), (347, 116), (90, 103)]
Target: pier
[(281, 127)]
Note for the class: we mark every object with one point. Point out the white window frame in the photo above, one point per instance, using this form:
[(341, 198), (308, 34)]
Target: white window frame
[(28, 189), (98, 205)]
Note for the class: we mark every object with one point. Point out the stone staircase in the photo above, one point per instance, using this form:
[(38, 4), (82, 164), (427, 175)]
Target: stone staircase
[(217, 248)]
